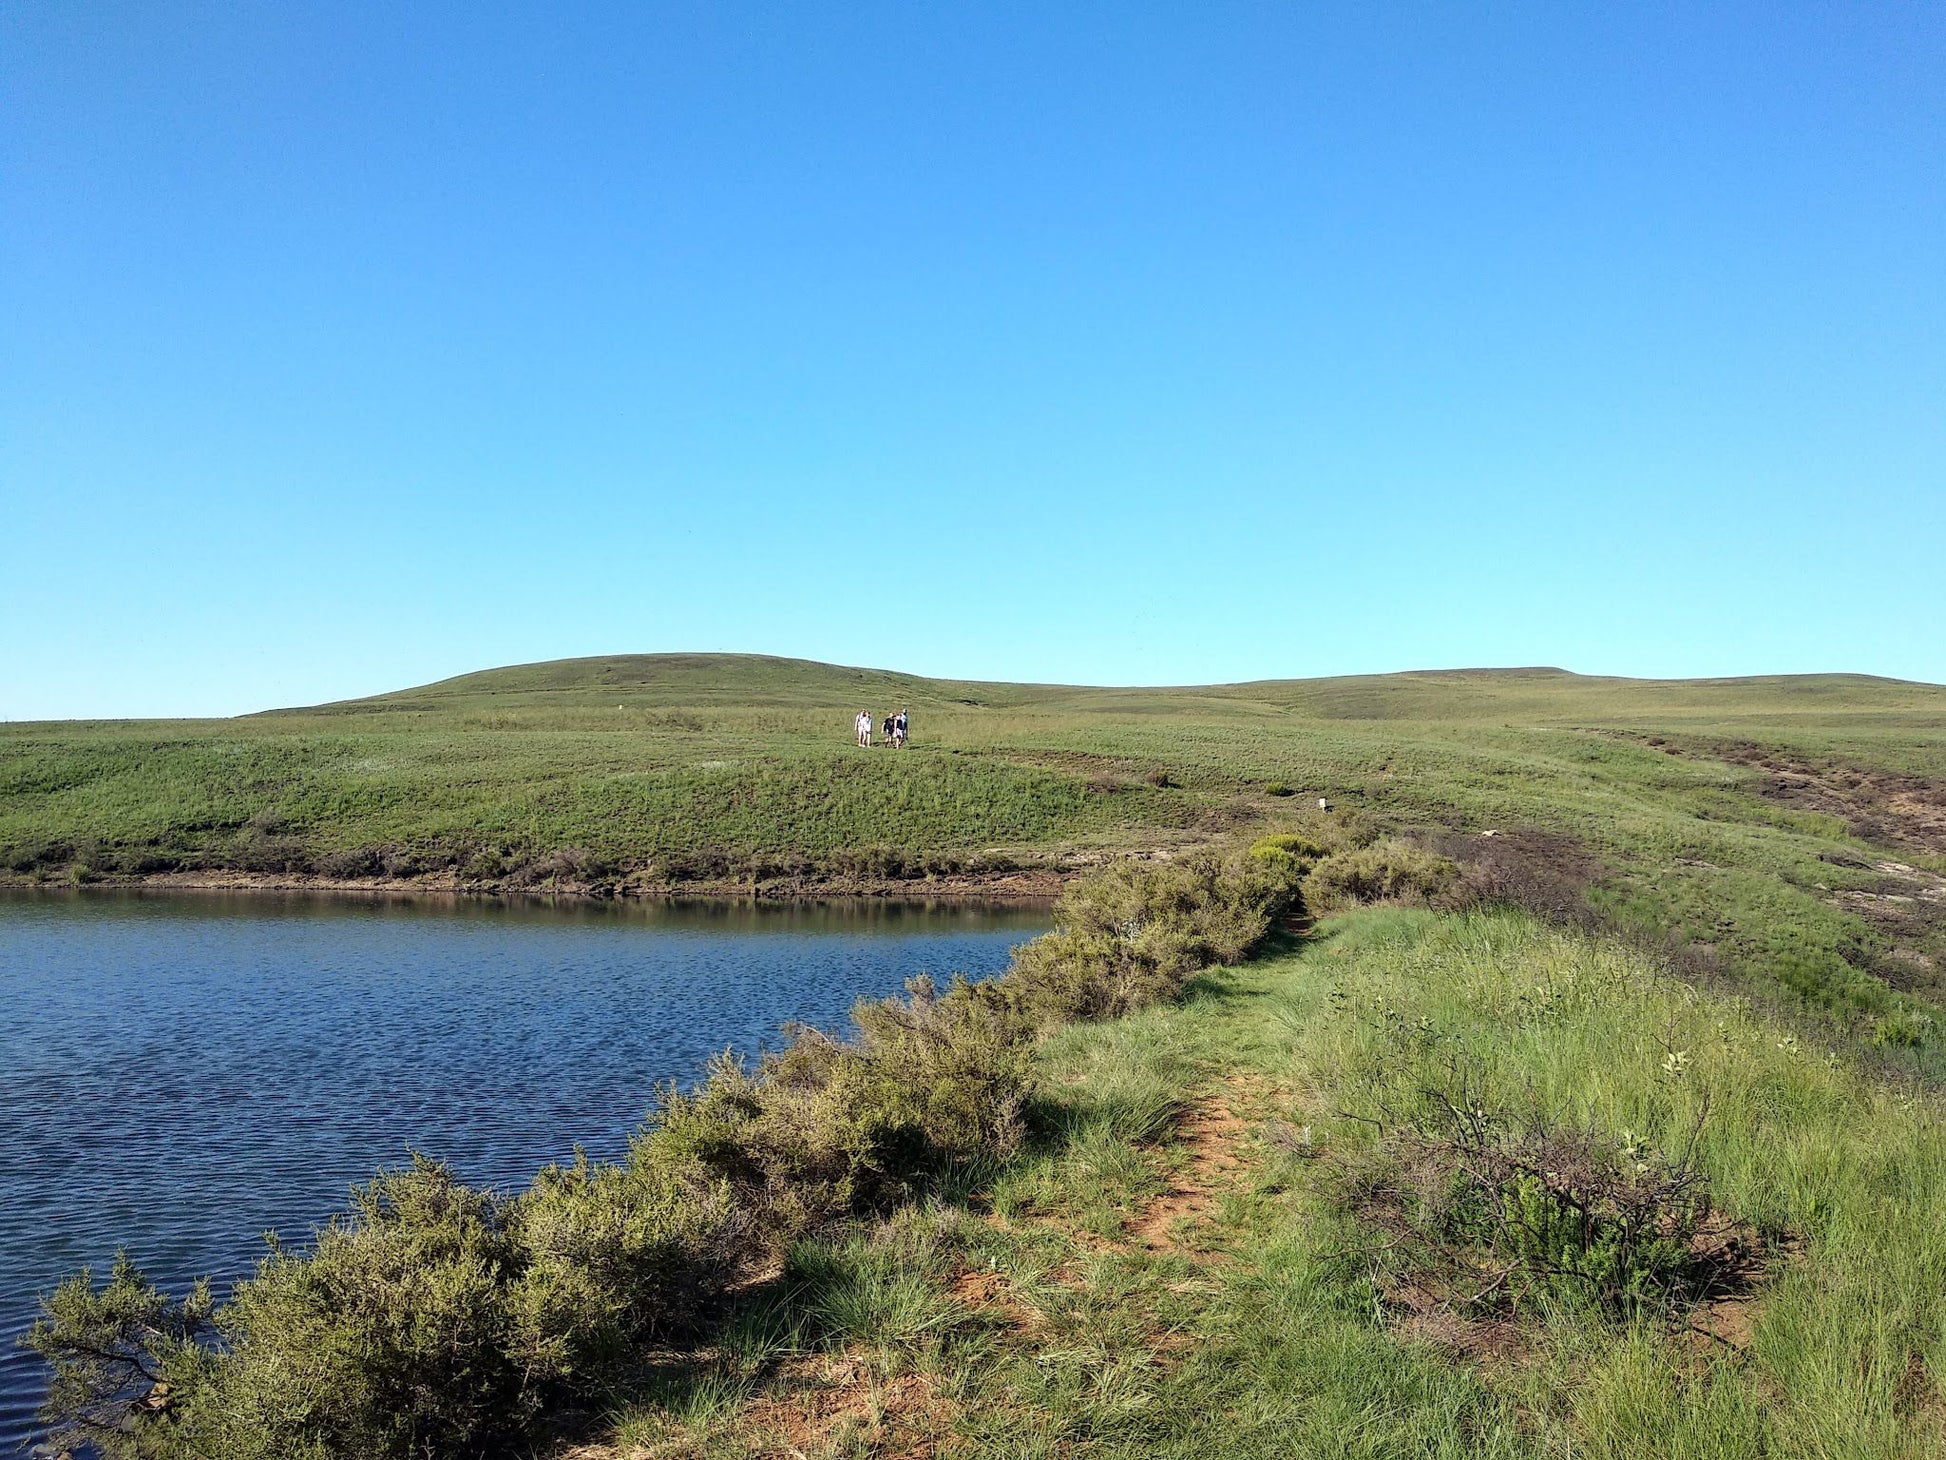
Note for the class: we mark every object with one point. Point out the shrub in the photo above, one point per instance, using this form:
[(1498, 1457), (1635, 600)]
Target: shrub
[(116, 1350), (1488, 1209), (431, 1320), (1279, 788), (386, 1340), (932, 1085), (260, 849), (569, 864), (1133, 934), (1904, 1028), (611, 1254), (1389, 871), (1289, 854), (357, 862)]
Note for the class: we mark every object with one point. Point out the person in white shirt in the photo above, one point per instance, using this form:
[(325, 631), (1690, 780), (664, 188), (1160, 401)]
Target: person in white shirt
[(864, 726)]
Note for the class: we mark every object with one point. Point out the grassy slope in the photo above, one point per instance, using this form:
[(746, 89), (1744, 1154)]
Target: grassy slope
[(1152, 1279), (1158, 1279), (658, 771)]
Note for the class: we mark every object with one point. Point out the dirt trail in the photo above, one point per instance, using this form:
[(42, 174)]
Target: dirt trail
[(821, 1405), (1210, 1135)]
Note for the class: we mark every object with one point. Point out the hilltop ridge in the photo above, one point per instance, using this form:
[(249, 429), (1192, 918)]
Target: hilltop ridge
[(755, 680)]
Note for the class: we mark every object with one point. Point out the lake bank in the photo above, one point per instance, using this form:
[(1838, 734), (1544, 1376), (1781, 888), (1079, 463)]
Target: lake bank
[(1199, 1259), (1027, 886)]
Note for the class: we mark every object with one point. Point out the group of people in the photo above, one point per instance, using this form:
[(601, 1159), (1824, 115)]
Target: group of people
[(895, 729)]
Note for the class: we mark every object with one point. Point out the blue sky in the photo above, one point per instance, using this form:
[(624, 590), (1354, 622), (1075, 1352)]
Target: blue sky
[(348, 347)]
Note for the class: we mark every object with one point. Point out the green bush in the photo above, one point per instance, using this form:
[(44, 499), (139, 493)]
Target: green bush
[(117, 1353), (931, 1085), (1133, 934), (1387, 871), (430, 1320), (1289, 855), (609, 1255), (388, 1339)]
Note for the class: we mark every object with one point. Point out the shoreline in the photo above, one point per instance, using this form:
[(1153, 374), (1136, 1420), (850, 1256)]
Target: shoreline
[(1041, 885)]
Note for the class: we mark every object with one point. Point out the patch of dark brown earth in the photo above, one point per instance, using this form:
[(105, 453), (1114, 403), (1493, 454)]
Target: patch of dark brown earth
[(1546, 873), (1886, 807)]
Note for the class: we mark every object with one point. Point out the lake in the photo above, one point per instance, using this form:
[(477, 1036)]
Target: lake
[(181, 1073)]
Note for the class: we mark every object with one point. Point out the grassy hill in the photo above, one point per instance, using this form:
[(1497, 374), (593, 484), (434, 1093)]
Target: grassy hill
[(1791, 829), (1628, 1145)]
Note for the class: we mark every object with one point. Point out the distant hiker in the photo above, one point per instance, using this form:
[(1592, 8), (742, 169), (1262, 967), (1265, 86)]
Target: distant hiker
[(863, 725), (899, 726), (890, 738)]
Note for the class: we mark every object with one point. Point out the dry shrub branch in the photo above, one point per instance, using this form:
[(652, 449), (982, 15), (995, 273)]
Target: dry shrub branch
[(1492, 1210)]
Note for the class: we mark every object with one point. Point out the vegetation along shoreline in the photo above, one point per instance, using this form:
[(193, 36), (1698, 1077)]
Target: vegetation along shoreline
[(1570, 1079), (1177, 1181)]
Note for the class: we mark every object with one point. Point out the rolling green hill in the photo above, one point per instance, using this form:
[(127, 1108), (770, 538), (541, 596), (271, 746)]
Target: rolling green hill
[(1791, 828), (1625, 1144)]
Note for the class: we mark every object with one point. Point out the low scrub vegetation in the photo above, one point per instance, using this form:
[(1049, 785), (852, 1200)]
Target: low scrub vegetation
[(1387, 871), (1494, 1211), (433, 1320), (1720, 1243)]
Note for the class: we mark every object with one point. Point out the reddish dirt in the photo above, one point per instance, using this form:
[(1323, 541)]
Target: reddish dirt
[(992, 1295), (818, 1406), (1208, 1136), (902, 1417), (1743, 1264), (1418, 1313)]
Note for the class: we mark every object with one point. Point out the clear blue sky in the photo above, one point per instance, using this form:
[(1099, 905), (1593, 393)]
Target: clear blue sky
[(348, 347)]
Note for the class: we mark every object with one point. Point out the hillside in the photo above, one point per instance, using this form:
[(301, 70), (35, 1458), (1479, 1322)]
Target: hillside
[(1621, 1139), (1790, 828)]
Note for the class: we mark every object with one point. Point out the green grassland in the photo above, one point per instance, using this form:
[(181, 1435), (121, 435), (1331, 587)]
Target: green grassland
[(1790, 830), (1623, 1140), (1149, 1281)]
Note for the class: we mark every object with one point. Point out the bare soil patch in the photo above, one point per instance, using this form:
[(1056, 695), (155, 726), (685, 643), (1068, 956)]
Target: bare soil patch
[(1209, 1136), (820, 1405), (1885, 807), (1546, 873), (837, 1402)]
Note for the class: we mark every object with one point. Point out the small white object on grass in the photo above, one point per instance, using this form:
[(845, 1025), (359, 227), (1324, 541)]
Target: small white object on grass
[(1323, 805)]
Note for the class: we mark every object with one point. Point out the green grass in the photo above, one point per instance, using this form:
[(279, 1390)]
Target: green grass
[(712, 772), (1254, 1334), (1749, 947)]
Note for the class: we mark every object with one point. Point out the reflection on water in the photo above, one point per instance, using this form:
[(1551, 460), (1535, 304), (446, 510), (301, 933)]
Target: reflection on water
[(182, 1072)]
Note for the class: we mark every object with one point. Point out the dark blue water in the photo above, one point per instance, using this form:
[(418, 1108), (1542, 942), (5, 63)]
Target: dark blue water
[(181, 1074)]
